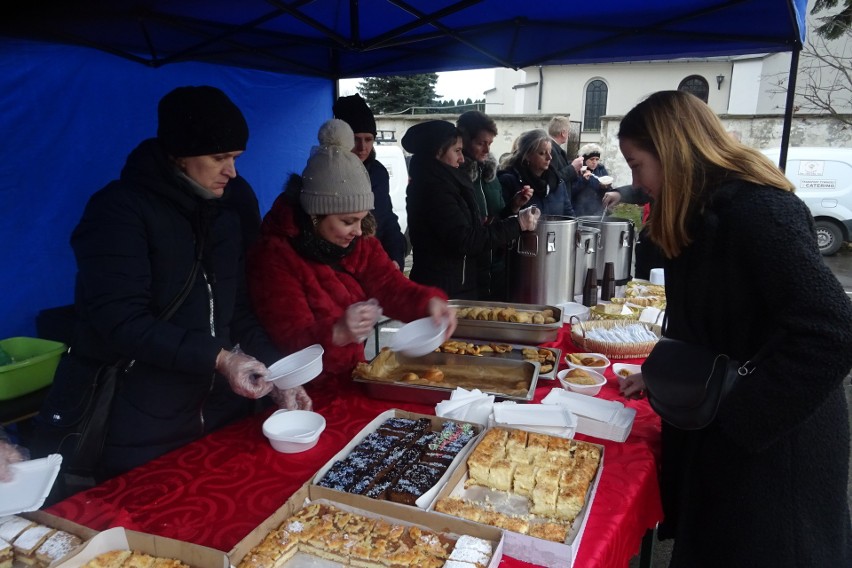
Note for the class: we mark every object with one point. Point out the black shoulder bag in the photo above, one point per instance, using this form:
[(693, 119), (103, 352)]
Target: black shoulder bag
[(82, 448), (686, 383)]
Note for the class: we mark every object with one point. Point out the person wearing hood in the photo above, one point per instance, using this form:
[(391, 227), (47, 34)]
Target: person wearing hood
[(354, 111), (530, 170), (587, 193), (445, 221), (136, 247), (478, 131), (318, 274)]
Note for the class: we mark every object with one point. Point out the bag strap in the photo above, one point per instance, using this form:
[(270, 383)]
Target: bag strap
[(749, 366)]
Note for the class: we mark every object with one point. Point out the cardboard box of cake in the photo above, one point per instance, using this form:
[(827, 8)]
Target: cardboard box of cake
[(538, 488), (122, 548), (306, 531), (401, 457), (37, 539)]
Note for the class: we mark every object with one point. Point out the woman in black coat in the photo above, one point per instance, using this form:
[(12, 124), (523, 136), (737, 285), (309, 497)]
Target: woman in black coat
[(447, 233), (135, 247), (765, 484)]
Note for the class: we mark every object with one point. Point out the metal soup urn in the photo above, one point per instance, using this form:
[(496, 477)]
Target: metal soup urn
[(541, 269), (616, 245), (588, 242)]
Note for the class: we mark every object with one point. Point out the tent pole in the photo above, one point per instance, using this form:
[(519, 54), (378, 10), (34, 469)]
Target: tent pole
[(788, 109)]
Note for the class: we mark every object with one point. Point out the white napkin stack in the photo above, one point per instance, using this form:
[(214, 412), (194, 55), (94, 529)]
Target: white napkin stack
[(552, 419), (607, 419), (466, 405)]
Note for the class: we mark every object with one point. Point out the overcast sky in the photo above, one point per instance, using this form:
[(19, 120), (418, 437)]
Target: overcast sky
[(451, 84)]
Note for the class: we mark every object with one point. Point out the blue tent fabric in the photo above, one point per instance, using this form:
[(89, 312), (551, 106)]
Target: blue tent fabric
[(70, 117), (80, 81)]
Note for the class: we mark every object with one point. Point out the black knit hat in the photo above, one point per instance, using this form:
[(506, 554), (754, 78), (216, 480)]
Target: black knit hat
[(354, 111), (428, 137), (198, 121)]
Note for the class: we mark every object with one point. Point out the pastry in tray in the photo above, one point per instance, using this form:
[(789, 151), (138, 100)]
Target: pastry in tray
[(495, 378), (506, 314), (542, 355)]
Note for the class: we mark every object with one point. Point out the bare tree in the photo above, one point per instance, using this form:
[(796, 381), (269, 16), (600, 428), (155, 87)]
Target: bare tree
[(825, 81)]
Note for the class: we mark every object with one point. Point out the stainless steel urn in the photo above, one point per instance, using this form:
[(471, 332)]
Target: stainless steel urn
[(586, 256), (616, 246), (541, 269)]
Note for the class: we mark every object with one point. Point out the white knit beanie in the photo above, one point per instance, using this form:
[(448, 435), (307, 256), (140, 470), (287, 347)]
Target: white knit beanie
[(334, 180)]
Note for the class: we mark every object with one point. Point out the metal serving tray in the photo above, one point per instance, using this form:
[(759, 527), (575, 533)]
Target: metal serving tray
[(508, 332), (515, 354), (391, 388)]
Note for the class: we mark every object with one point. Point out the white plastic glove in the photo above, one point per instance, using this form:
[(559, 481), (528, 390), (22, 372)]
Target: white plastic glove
[(611, 198), (440, 311), (357, 322), (9, 454), (245, 374), (528, 218), (292, 399)]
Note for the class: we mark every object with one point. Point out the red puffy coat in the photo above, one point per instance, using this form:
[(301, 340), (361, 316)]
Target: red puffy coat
[(298, 300)]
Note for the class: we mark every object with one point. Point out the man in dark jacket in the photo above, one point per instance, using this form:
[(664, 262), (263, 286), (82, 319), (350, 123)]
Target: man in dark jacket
[(354, 111), (136, 247), (566, 169)]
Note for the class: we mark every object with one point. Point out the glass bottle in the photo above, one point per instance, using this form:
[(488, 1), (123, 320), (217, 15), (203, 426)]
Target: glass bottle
[(590, 288), (608, 284)]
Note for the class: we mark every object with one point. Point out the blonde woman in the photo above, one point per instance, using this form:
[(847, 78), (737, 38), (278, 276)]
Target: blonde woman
[(765, 484)]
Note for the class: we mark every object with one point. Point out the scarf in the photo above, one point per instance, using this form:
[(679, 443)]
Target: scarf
[(313, 247)]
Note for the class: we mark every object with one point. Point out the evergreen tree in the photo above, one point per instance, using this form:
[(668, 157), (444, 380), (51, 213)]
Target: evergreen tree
[(833, 26), (398, 93)]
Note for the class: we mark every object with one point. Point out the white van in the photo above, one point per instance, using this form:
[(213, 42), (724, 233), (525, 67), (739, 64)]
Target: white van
[(823, 180), (392, 158)]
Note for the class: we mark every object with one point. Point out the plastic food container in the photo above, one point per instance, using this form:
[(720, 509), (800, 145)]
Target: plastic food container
[(34, 366), (620, 368), (600, 357), (590, 390), (419, 337), (297, 368), (293, 431)]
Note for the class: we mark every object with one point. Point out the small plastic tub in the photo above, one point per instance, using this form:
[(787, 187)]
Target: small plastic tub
[(590, 389), (293, 431)]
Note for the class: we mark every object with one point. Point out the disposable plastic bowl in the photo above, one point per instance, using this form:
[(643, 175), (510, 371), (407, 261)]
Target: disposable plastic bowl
[(579, 311), (418, 338), (293, 431), (617, 368), (605, 180), (591, 390), (297, 368), (601, 369)]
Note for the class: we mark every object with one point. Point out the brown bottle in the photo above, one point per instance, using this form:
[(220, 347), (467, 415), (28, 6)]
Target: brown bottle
[(590, 288), (608, 284)]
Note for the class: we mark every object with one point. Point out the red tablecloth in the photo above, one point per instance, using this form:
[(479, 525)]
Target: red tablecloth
[(216, 490)]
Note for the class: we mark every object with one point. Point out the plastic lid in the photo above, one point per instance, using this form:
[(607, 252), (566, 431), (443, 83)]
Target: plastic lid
[(30, 485)]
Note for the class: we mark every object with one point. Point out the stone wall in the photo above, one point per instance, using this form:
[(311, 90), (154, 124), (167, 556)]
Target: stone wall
[(758, 131)]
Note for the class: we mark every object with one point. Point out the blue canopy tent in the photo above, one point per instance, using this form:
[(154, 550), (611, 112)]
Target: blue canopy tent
[(80, 81)]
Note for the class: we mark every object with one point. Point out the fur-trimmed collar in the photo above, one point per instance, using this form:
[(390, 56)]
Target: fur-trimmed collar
[(472, 168)]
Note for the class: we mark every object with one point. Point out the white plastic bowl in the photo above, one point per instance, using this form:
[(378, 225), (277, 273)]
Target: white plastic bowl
[(293, 431), (575, 309), (297, 368), (605, 180), (601, 369), (591, 390), (617, 368), (418, 338)]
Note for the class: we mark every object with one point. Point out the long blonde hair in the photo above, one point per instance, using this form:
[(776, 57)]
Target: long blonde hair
[(696, 155)]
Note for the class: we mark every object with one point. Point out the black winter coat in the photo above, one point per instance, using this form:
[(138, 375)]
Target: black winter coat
[(550, 192), (387, 223), (445, 227), (135, 247), (765, 485)]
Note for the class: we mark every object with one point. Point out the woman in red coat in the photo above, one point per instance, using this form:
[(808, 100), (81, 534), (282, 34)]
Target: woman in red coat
[(315, 276)]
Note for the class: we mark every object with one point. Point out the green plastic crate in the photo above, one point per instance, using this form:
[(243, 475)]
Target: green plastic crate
[(34, 366)]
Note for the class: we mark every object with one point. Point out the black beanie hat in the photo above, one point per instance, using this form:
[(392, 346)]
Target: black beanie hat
[(198, 121), (428, 137), (354, 111)]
